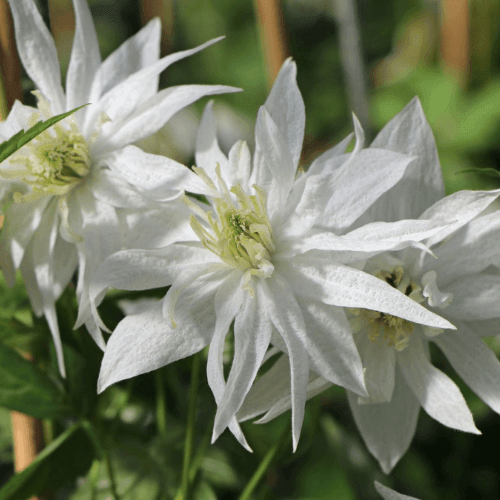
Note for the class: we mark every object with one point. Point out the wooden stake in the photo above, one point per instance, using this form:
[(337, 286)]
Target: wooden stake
[(273, 37), (164, 9), (455, 38)]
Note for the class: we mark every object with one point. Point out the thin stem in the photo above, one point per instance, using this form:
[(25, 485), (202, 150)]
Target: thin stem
[(161, 405), (188, 443), (262, 468), (4, 106), (111, 475)]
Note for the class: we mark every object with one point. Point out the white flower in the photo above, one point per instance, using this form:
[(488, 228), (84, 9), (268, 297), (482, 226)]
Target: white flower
[(75, 199), (254, 258), (389, 494), (457, 285)]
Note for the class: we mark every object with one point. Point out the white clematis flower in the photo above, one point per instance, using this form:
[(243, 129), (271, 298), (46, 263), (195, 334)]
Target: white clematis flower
[(73, 200), (255, 259), (456, 285)]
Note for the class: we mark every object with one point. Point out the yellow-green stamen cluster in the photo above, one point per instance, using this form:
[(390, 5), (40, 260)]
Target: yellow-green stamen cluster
[(396, 330), (240, 234)]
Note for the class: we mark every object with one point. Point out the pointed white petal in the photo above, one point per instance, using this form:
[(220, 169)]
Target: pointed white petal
[(474, 361), (21, 222), (348, 287), (388, 428), (475, 297), (208, 154), (287, 318), (328, 161), (389, 494), (159, 175), (136, 53), (150, 116), (85, 59), (38, 52), (228, 300), (123, 99), (460, 208), (240, 165), (379, 362), (330, 345), (286, 107), (422, 184), (252, 333), (276, 159), (145, 342), (437, 393), (112, 189), (469, 250)]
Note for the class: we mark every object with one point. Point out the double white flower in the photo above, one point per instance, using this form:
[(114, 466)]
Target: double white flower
[(258, 257), (71, 200), (457, 282)]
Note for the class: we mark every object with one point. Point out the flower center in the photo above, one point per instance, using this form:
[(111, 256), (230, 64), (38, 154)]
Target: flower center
[(396, 331), (54, 162), (241, 233)]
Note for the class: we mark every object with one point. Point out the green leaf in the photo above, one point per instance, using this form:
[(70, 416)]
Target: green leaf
[(66, 458), (26, 389), (22, 138)]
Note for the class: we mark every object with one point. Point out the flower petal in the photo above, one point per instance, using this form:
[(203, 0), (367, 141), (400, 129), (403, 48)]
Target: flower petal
[(150, 116), (460, 208), (328, 161), (145, 342), (228, 300), (389, 494), (422, 184), (38, 52), (287, 318), (348, 287), (252, 334), (84, 61), (387, 428), (437, 393), (474, 361), (475, 297), (286, 108), (160, 176)]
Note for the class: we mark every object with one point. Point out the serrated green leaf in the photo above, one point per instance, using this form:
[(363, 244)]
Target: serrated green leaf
[(66, 458), (22, 138), (26, 389)]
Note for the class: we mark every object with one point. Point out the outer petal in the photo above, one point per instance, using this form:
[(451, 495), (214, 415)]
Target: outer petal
[(276, 160), (422, 184), (389, 494), (347, 287), (38, 52), (145, 342), (469, 250), (459, 207), (136, 53), (330, 345), (474, 361), (160, 176), (328, 160), (286, 107), (438, 394), (252, 334), (228, 300), (475, 297), (388, 428), (208, 154), (85, 58), (287, 318), (123, 99), (21, 222), (155, 112)]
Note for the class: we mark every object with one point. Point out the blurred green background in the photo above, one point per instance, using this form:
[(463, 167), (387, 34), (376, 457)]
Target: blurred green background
[(402, 49)]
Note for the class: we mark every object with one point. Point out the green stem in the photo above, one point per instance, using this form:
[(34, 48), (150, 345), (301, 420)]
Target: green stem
[(161, 405), (111, 475), (262, 468), (188, 443)]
